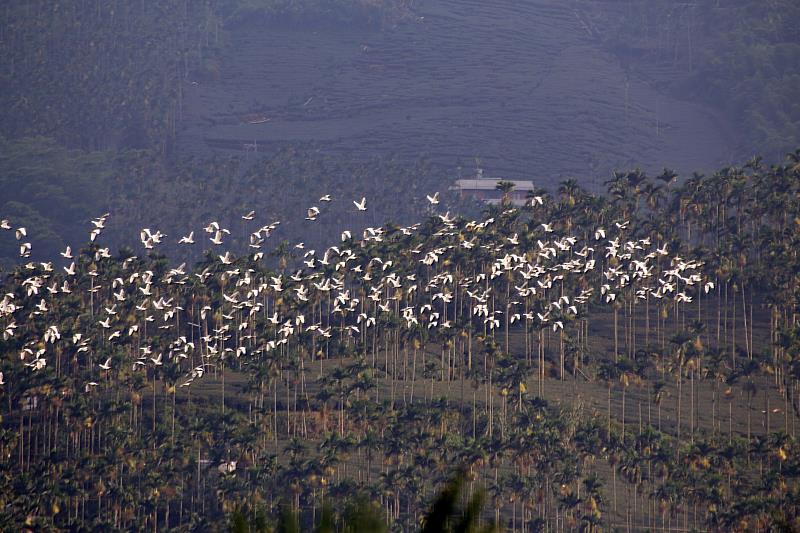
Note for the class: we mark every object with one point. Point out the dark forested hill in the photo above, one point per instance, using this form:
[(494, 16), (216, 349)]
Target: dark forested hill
[(739, 56), (100, 74)]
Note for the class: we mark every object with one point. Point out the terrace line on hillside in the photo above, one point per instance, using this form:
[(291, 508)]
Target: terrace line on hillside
[(485, 190)]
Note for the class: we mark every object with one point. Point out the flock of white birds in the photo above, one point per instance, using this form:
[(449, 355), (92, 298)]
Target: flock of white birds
[(545, 273)]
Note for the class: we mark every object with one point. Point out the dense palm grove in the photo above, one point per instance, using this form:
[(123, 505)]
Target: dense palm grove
[(142, 394)]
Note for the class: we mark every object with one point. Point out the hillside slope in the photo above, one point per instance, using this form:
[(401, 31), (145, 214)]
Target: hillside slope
[(525, 86)]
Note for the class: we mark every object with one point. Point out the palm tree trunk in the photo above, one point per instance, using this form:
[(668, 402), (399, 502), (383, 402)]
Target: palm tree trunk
[(747, 342), (691, 406), (680, 390), (624, 390), (616, 335)]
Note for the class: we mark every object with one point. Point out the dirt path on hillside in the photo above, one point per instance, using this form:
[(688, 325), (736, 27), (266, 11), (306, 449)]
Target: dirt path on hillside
[(523, 85)]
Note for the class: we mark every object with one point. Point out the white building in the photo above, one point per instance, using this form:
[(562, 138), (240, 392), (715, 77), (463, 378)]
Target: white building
[(485, 190)]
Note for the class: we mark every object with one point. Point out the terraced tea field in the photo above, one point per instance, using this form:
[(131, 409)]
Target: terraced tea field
[(526, 87)]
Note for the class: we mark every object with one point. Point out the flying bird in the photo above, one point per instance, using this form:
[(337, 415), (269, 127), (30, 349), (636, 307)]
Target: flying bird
[(217, 238)]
